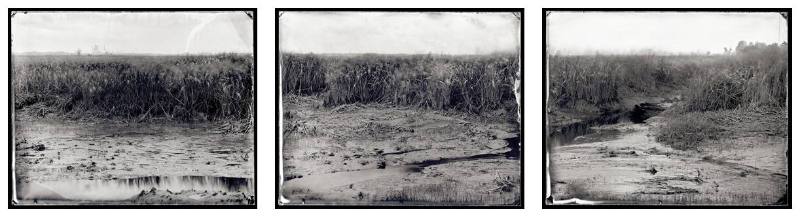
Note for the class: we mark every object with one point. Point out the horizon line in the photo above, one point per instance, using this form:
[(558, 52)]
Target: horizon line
[(422, 53), (33, 53)]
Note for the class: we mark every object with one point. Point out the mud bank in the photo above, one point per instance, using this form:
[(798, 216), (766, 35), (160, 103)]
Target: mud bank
[(382, 155), (620, 162), (61, 162)]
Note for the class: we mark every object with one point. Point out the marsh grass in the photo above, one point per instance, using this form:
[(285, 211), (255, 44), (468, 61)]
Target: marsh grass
[(753, 79), (603, 81), (744, 94), (473, 84), (450, 192), (304, 74), (757, 76), (184, 88), (686, 132)]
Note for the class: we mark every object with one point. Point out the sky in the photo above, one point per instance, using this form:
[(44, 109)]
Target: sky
[(132, 32), (672, 32), (398, 32)]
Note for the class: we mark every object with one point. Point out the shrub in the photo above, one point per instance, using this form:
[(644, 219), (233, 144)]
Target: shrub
[(686, 132)]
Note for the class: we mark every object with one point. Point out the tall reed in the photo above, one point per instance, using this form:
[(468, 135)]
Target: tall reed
[(192, 87), (473, 84)]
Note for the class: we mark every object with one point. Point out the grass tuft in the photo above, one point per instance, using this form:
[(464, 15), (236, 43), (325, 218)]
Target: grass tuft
[(686, 132), (452, 193)]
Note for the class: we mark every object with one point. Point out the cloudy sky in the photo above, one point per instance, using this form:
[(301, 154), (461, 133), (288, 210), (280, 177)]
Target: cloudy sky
[(151, 32), (398, 33), (624, 32)]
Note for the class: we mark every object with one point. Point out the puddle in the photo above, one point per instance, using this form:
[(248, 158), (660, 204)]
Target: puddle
[(643, 111), (354, 166), (582, 132), (417, 167), (513, 144), (122, 189), (568, 133), (513, 153), (403, 152)]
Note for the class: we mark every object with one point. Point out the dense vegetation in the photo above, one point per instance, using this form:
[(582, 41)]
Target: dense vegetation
[(716, 90), (755, 75), (472, 84), (184, 88), (604, 80)]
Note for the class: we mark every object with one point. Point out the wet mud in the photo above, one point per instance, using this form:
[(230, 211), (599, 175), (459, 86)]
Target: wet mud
[(620, 162), (60, 162), (383, 155)]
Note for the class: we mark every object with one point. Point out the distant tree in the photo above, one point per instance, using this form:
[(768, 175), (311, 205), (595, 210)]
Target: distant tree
[(78, 52)]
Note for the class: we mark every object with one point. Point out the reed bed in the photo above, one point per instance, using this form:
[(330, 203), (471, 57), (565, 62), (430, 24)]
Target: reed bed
[(183, 88), (603, 81), (752, 79), (474, 84), (742, 94), (755, 75)]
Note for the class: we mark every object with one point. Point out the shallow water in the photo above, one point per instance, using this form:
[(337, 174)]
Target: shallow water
[(566, 134), (569, 134)]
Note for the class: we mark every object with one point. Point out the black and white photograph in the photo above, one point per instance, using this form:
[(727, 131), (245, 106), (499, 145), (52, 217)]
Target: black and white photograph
[(132, 108), (676, 107), (399, 108)]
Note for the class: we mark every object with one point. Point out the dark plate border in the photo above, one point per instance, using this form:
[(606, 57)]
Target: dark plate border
[(278, 137), (545, 200), (11, 204)]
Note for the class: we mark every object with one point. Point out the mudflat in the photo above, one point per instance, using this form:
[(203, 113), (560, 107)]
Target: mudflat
[(623, 163), (386, 155), (68, 162)]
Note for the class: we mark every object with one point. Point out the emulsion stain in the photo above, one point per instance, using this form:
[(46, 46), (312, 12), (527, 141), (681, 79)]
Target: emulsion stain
[(121, 189)]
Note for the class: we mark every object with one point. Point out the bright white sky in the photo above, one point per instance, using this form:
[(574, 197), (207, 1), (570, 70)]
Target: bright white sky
[(150, 32), (625, 32), (398, 32)]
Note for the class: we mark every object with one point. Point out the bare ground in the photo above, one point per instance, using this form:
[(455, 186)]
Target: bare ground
[(68, 162), (629, 166), (378, 154)]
